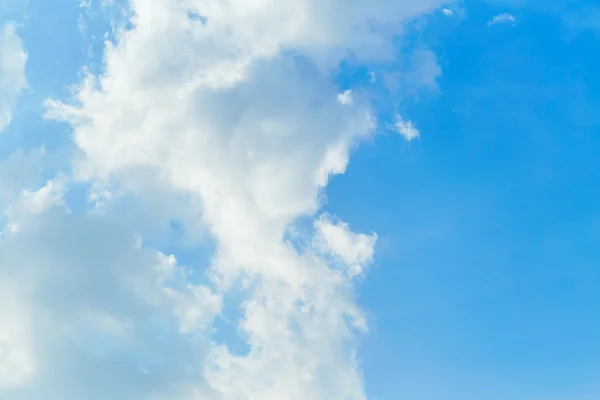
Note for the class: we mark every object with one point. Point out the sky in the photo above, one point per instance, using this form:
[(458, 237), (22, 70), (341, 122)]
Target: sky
[(266, 200)]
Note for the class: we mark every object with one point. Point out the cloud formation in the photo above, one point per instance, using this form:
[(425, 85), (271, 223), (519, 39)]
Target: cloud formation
[(95, 319), (12, 71), (231, 107)]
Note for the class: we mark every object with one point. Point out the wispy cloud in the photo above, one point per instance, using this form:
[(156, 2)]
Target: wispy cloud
[(406, 129), (504, 18), (13, 59)]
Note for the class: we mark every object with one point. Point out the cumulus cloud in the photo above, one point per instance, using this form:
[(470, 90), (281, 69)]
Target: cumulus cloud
[(87, 312), (230, 104), (12, 71), (504, 18)]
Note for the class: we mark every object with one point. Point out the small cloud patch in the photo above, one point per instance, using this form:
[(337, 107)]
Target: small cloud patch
[(504, 18), (406, 129), (345, 98)]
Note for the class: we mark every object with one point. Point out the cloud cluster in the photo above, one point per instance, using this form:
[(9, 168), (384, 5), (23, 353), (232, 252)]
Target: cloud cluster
[(230, 104), (87, 312)]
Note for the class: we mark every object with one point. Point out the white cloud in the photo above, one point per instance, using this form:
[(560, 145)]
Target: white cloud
[(447, 12), (12, 71), (88, 313), (345, 98), (336, 238), (503, 18), (16, 358), (406, 129), (33, 202), (220, 112)]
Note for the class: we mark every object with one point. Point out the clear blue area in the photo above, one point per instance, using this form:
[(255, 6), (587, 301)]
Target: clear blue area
[(487, 280)]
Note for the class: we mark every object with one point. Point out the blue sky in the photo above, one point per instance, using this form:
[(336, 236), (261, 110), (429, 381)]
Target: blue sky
[(471, 251)]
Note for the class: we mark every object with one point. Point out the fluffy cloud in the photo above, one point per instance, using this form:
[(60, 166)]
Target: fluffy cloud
[(87, 312), (230, 104), (12, 71)]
